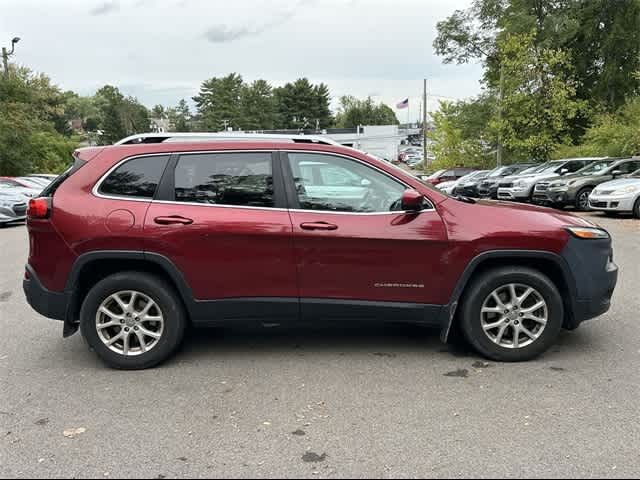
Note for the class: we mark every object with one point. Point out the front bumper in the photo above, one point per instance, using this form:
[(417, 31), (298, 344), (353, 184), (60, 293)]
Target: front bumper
[(609, 203), (551, 197), (595, 275), (47, 303), (514, 194)]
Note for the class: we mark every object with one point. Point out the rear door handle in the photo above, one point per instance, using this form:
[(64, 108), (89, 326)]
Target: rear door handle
[(318, 226), (173, 220)]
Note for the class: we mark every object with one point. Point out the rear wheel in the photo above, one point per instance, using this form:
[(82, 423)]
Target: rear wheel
[(512, 314), (582, 199), (132, 320)]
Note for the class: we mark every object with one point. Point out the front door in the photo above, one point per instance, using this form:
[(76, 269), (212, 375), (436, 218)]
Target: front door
[(222, 221), (357, 253)]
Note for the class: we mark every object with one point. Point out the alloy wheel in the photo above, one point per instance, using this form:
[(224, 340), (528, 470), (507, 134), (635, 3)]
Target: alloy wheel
[(129, 323), (583, 200), (514, 316)]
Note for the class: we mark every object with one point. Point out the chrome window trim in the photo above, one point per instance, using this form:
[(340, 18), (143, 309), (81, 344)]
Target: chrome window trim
[(95, 190)]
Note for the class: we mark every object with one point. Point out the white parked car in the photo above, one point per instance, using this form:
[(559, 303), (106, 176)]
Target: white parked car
[(447, 187), (16, 187), (622, 195)]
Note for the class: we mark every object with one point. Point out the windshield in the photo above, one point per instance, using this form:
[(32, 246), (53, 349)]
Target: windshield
[(5, 182), (635, 174), (595, 168), (550, 167), (497, 172)]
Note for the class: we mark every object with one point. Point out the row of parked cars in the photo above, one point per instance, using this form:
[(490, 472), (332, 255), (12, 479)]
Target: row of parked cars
[(611, 185), (15, 193)]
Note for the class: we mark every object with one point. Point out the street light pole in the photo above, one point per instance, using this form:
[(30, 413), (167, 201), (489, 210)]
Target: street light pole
[(425, 130), (6, 55)]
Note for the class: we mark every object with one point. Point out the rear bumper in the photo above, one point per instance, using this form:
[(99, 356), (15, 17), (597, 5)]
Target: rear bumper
[(47, 303)]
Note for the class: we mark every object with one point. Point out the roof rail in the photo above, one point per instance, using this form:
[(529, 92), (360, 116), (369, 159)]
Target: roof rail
[(221, 136)]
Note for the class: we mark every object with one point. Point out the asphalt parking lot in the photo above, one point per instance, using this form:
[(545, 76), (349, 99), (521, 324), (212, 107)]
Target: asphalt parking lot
[(385, 402)]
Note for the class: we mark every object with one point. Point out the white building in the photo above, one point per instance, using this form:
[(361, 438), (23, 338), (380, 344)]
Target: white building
[(380, 140)]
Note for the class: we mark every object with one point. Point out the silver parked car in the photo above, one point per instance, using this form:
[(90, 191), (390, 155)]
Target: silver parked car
[(13, 207), (622, 195)]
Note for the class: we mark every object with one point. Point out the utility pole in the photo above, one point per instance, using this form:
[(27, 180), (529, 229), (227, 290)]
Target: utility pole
[(425, 130), (6, 55), (500, 100)]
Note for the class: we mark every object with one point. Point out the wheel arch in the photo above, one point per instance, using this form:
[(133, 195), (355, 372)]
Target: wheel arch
[(90, 268), (548, 263)]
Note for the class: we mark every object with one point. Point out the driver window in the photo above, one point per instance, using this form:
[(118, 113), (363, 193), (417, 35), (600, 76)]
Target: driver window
[(329, 183)]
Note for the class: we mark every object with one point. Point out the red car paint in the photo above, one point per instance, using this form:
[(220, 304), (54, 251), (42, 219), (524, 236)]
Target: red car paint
[(231, 253)]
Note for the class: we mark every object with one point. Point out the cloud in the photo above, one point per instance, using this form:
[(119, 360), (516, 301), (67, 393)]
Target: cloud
[(105, 8), (224, 34)]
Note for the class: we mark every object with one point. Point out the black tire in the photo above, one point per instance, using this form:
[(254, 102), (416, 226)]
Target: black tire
[(482, 286), (161, 293), (580, 206), (636, 209)]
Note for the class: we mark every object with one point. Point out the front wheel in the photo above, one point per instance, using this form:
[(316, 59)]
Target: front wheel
[(512, 314), (582, 199), (636, 209), (132, 320)]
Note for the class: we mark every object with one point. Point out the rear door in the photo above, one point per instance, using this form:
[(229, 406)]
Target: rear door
[(357, 254), (221, 218)]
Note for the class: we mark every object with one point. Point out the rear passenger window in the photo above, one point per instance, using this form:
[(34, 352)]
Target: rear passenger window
[(137, 178), (242, 179)]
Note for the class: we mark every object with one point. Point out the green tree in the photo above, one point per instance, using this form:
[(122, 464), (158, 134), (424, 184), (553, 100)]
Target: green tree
[(219, 102), (354, 112), (539, 97), (463, 135), (30, 109), (158, 111), (302, 105), (120, 116), (613, 135), (258, 105), (601, 38), (180, 117)]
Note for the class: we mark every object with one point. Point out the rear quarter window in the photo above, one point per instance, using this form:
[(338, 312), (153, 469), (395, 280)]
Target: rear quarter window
[(136, 178)]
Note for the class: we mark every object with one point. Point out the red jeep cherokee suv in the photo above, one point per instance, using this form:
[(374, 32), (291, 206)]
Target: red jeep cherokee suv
[(136, 242)]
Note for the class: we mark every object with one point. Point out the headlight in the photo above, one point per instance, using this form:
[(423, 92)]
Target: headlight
[(626, 190), (5, 204), (559, 185), (520, 184), (589, 233)]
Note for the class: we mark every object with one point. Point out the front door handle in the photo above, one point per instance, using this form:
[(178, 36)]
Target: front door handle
[(173, 220), (318, 226)]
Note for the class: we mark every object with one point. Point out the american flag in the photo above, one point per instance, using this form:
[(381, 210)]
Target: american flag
[(403, 104)]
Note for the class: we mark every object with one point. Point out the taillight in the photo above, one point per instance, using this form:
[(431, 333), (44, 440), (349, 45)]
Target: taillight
[(39, 207)]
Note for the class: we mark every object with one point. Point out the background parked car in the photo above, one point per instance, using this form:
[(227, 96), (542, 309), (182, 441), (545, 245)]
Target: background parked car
[(622, 195), (13, 186), (13, 207), (488, 188), (468, 185), (447, 187), (449, 175), (519, 188), (575, 189)]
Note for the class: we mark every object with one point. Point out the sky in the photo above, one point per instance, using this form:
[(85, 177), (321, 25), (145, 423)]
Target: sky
[(161, 50)]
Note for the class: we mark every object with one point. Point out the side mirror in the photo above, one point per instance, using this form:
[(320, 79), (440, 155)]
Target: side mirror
[(564, 171), (617, 173), (412, 200)]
